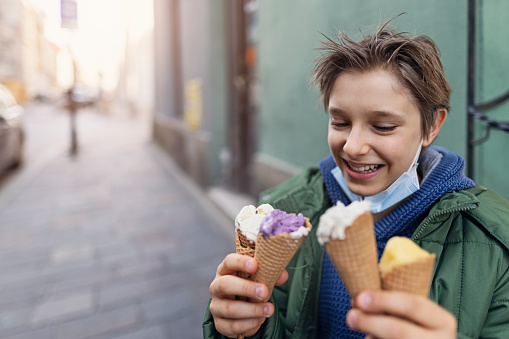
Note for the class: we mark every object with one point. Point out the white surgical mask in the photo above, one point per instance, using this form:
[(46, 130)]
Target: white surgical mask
[(400, 189)]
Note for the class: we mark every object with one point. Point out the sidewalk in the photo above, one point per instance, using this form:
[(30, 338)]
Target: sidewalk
[(115, 243)]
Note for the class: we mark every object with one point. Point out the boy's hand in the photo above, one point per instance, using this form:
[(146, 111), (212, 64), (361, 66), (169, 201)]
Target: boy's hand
[(231, 316), (385, 314)]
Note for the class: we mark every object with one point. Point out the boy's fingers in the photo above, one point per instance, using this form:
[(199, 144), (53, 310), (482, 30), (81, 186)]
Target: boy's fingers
[(237, 309), (415, 308), (383, 326), (232, 328), (236, 262), (282, 278), (230, 285)]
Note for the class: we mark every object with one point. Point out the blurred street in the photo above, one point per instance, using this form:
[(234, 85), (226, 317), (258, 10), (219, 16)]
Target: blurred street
[(113, 243)]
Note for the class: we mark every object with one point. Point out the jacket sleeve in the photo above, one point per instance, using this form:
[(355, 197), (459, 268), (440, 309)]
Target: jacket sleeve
[(209, 328), (496, 324), (493, 213), (272, 328)]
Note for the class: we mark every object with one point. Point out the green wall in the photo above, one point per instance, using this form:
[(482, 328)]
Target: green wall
[(492, 157), (290, 33)]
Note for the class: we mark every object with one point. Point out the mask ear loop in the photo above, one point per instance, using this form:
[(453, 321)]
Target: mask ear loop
[(416, 158)]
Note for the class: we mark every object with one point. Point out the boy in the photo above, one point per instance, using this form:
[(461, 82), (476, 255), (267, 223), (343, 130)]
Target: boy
[(387, 98)]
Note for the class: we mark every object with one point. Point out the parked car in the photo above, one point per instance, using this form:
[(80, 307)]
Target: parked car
[(12, 134)]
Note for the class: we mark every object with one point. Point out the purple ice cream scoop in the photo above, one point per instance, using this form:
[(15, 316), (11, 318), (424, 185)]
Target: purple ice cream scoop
[(277, 222)]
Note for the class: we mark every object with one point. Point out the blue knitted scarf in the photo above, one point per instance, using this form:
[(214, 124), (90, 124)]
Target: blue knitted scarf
[(446, 176)]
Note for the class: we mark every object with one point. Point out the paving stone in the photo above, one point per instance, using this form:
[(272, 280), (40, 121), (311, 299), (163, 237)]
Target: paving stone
[(71, 252), (20, 278), (67, 270), (22, 296), (141, 269), (158, 331), (168, 305), (120, 245), (41, 333), (189, 326), (116, 260), (119, 291), (64, 294), (53, 310), (12, 319), (23, 257), (99, 324), (92, 278)]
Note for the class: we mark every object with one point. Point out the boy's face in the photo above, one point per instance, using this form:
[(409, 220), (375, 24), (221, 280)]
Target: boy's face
[(374, 130)]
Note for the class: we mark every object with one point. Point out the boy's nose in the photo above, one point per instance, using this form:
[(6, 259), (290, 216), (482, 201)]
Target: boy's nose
[(356, 144)]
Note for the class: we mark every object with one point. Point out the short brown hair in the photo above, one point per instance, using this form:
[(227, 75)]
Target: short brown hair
[(413, 59)]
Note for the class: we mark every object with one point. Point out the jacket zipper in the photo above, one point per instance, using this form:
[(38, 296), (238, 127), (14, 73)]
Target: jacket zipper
[(450, 210)]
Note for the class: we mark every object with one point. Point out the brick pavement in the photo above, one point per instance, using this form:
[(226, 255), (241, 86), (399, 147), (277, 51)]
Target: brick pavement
[(114, 243)]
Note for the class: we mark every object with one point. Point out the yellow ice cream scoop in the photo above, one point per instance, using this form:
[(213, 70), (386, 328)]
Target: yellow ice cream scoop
[(400, 251), (406, 267)]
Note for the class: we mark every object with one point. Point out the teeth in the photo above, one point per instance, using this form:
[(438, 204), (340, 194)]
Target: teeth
[(365, 169)]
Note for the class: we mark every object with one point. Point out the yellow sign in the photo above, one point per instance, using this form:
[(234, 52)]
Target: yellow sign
[(193, 111)]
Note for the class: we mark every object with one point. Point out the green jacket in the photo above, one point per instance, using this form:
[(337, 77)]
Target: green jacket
[(467, 230)]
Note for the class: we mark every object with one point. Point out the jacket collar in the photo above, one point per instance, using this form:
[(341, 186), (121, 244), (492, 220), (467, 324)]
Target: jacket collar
[(458, 201), (487, 208)]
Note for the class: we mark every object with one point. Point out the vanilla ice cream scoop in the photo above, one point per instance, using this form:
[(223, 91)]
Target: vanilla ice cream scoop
[(249, 219), (336, 219)]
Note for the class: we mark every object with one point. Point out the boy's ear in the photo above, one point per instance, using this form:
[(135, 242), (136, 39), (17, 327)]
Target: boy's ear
[(439, 121)]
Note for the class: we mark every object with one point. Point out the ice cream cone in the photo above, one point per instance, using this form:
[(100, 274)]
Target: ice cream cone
[(414, 277), (273, 255), (355, 258), (244, 247)]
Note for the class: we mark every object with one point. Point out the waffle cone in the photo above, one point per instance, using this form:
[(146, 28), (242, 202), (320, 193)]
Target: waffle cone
[(413, 277), (273, 255), (355, 257), (244, 247)]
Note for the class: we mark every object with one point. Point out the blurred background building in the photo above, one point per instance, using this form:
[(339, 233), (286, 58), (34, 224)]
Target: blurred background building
[(233, 100), (27, 59), (106, 52)]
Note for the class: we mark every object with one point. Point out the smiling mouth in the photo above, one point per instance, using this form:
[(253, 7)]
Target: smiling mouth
[(364, 169)]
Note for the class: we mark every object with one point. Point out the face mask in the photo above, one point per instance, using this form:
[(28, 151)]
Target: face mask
[(400, 189)]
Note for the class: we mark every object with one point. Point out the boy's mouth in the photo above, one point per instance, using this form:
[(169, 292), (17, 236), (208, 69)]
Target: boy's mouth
[(364, 168)]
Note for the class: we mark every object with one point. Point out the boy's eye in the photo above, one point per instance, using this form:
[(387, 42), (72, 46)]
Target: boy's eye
[(385, 128), (340, 124)]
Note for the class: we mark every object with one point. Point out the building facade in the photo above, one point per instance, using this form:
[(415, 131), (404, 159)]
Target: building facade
[(27, 59)]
